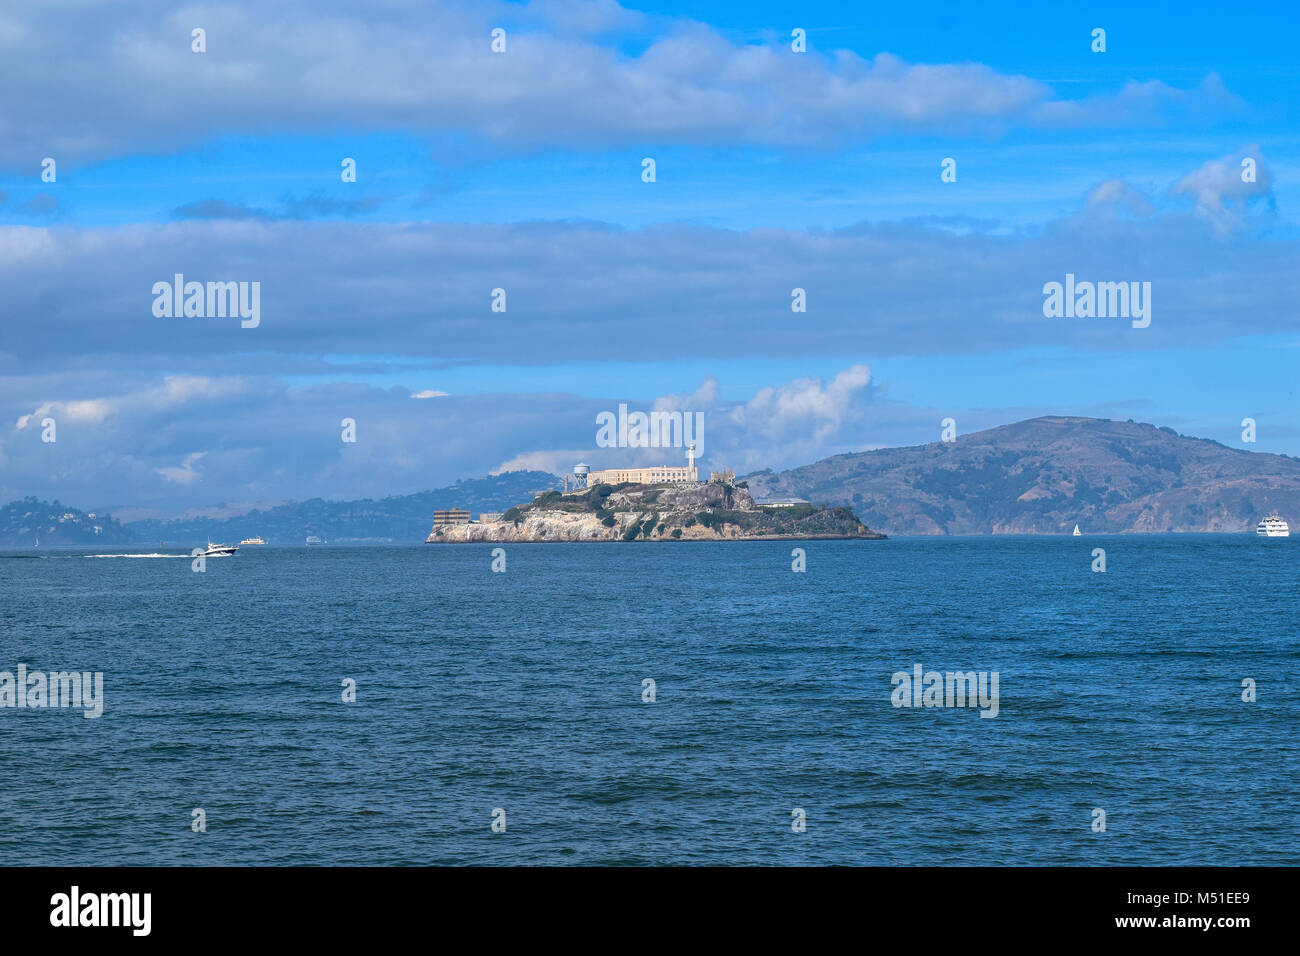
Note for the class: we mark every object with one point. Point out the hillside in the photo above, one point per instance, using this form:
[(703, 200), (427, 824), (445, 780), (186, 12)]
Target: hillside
[(710, 511), (394, 519), (1037, 476), (1044, 475), (23, 523)]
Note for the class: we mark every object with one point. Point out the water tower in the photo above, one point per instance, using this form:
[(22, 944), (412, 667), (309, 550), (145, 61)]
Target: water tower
[(580, 472)]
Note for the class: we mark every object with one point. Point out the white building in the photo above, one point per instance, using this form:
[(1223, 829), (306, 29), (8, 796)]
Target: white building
[(655, 475)]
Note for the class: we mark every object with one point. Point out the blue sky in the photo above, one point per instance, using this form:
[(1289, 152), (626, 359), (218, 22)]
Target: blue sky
[(476, 170)]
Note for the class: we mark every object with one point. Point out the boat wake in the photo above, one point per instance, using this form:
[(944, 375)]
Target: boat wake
[(135, 555)]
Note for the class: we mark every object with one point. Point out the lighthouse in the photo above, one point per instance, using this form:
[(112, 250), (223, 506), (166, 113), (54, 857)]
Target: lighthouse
[(691, 473)]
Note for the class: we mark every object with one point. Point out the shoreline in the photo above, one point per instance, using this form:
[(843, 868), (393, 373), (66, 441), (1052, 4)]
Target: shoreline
[(672, 540)]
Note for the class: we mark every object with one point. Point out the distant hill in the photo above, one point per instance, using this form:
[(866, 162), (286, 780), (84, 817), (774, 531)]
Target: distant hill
[(1039, 476), (23, 523), (404, 518), (1044, 475)]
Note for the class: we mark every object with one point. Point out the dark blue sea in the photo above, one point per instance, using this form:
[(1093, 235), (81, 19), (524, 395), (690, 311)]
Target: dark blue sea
[(522, 690)]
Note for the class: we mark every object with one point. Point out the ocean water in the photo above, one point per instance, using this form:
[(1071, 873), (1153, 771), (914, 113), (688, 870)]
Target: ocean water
[(522, 691)]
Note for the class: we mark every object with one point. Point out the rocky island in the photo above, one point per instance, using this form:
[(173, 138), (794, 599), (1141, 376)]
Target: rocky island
[(715, 510)]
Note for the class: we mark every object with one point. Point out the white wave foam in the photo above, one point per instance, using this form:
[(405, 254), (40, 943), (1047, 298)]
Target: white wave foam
[(137, 555)]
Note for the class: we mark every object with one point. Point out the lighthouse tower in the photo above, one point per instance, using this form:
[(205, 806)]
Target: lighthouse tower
[(691, 473)]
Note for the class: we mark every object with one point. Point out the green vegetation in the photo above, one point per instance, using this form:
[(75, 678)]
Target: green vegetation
[(795, 512), (662, 512), (591, 500)]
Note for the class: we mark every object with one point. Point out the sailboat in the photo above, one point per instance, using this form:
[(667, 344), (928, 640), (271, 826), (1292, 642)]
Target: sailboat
[(1076, 531)]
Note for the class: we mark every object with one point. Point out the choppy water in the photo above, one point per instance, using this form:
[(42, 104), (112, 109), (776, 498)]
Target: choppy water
[(522, 690)]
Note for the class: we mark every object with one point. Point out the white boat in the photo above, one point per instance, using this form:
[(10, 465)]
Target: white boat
[(256, 539), (1273, 526), (313, 539), (1076, 532), (217, 550)]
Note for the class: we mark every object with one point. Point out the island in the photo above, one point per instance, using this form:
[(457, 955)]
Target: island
[(720, 509)]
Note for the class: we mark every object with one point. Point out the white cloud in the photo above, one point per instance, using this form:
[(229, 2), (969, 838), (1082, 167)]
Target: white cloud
[(89, 411), (781, 425), (798, 417), (175, 391), (556, 461), (116, 79), (185, 474), (701, 400), (429, 393), (884, 289), (1220, 191), (1115, 195)]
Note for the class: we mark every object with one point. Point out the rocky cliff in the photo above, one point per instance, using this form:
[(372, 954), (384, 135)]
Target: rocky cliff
[(701, 511)]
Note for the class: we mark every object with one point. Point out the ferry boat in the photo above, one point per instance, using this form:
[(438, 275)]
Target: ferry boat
[(313, 539), (1273, 526), (254, 540), (217, 550)]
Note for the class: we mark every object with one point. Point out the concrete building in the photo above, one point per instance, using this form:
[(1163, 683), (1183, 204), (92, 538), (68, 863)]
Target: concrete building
[(451, 516), (488, 517), (781, 502), (584, 477)]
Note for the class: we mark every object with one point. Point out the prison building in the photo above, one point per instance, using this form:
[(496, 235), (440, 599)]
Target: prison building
[(654, 475), (451, 516)]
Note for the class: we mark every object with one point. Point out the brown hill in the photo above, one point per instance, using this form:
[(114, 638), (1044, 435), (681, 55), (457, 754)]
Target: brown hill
[(1045, 474)]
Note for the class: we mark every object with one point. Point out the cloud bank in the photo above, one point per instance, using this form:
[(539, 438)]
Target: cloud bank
[(566, 80)]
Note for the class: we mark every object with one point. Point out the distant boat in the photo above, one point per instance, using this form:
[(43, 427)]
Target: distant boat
[(218, 550), (1273, 526), (313, 539), (1076, 531), (253, 540)]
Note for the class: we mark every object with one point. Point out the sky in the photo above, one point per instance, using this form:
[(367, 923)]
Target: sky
[(128, 157)]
